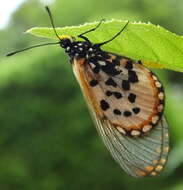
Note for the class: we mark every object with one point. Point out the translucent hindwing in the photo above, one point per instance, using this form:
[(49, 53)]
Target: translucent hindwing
[(141, 156)]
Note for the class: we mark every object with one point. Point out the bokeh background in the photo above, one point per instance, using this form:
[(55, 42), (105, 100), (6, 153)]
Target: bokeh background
[(47, 138)]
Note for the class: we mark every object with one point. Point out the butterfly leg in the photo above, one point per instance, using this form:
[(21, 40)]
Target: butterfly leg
[(93, 29), (116, 35)]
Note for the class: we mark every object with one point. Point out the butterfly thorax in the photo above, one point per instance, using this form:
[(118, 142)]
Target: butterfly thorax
[(83, 49)]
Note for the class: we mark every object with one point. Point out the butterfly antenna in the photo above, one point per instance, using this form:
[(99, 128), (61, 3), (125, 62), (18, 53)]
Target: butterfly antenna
[(52, 23), (39, 45), (31, 47)]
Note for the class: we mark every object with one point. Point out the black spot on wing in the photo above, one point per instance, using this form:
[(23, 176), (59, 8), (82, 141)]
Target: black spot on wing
[(117, 95), (132, 77), (104, 105), (131, 97), (125, 85), (129, 65), (117, 112), (93, 83), (127, 113), (136, 110), (109, 69), (110, 82), (108, 93)]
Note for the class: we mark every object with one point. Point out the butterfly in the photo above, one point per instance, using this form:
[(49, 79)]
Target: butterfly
[(125, 100)]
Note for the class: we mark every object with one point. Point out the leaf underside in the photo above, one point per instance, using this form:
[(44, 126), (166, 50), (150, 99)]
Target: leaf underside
[(155, 46)]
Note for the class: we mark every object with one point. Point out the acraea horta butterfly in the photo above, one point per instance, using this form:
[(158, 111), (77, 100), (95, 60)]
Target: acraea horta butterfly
[(126, 102)]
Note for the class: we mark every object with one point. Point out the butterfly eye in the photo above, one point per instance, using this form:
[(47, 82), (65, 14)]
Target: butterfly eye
[(65, 42)]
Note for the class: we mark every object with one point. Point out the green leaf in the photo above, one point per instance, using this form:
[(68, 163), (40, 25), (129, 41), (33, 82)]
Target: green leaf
[(155, 46)]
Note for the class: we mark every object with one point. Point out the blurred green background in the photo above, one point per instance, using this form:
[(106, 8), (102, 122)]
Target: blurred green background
[(47, 139)]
